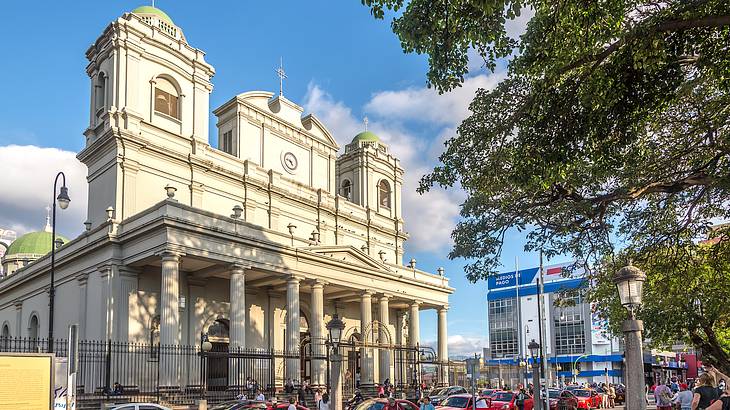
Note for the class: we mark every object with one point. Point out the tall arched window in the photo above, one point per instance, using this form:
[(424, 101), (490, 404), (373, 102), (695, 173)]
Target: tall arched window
[(99, 94), (5, 337), (33, 327), (167, 99), (384, 194), (347, 189)]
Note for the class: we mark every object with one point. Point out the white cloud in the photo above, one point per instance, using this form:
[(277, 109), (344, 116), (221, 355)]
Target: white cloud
[(429, 218), (461, 345), (517, 27), (27, 179), (427, 105)]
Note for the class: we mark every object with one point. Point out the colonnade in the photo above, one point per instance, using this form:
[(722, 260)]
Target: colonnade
[(170, 319)]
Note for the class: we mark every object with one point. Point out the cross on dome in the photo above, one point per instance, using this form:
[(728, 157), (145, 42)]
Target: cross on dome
[(365, 121), (282, 75)]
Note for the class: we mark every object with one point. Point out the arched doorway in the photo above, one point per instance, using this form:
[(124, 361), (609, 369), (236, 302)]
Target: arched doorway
[(33, 328), (305, 349), (217, 365), (5, 338)]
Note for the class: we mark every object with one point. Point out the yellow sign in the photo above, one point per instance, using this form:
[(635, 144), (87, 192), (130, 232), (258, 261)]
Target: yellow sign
[(26, 381)]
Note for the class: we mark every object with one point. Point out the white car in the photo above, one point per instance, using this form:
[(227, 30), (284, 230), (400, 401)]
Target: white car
[(139, 406)]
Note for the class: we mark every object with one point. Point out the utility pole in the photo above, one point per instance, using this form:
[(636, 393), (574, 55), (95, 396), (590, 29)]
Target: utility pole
[(520, 338), (541, 330)]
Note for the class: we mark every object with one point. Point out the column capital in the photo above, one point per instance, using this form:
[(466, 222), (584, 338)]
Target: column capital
[(385, 296), (317, 283), (367, 293), (170, 255), (444, 308), (18, 304), (294, 279), (415, 303), (238, 268), (82, 278)]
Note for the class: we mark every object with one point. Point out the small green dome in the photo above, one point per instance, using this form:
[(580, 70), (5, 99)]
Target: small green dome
[(366, 136), (35, 243), (154, 10)]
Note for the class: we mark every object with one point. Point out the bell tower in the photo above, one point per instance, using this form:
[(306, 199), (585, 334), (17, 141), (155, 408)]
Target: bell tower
[(149, 89)]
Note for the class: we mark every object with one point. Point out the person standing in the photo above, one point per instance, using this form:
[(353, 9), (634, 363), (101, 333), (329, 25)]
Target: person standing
[(292, 403), (611, 396), (324, 404), (521, 397), (391, 405), (426, 404), (663, 396), (705, 393), (683, 397)]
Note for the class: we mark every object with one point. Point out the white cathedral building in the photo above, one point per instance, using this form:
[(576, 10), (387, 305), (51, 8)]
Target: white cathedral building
[(266, 236)]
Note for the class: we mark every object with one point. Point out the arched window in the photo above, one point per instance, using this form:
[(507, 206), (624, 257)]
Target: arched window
[(33, 327), (384, 194), (99, 94), (167, 99), (347, 189), (5, 337)]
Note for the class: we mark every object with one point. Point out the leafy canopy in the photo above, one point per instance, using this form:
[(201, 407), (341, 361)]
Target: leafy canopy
[(609, 130)]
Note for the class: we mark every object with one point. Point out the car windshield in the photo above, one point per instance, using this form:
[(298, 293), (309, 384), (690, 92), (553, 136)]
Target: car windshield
[(440, 392), (458, 402), (370, 405), (503, 396), (553, 394), (487, 392), (226, 405), (582, 393)]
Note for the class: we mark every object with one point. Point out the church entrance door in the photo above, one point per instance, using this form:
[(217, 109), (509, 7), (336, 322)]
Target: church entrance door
[(217, 367)]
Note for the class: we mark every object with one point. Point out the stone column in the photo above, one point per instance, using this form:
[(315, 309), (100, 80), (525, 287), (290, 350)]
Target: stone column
[(414, 327), (238, 307), (336, 380), (319, 371), (83, 281), (366, 330), (443, 349), (400, 318), (169, 318), (292, 329), (384, 354), (237, 330)]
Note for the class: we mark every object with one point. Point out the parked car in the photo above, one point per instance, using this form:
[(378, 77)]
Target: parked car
[(487, 393), (140, 406), (241, 405), (378, 404), (464, 401), (584, 398), (438, 395), (505, 400), (565, 401), (284, 405), (553, 397)]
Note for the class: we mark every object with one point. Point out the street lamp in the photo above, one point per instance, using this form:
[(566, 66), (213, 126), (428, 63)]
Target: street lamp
[(575, 368), (335, 327), (63, 200), (534, 349), (629, 281)]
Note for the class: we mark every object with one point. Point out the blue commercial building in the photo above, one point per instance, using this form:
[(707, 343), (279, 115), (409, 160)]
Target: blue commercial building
[(572, 332)]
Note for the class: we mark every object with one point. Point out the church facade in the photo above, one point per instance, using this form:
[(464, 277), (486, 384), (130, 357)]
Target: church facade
[(257, 242)]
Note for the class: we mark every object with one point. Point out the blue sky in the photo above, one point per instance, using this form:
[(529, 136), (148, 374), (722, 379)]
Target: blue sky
[(341, 64)]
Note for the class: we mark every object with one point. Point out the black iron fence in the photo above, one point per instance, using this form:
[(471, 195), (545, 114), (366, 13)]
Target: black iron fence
[(181, 374)]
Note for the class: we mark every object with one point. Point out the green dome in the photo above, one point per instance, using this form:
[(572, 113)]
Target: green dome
[(366, 136), (36, 243), (154, 10)]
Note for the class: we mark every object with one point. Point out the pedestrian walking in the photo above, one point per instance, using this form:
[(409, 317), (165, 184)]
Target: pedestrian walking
[(611, 396), (426, 404), (292, 403), (663, 396)]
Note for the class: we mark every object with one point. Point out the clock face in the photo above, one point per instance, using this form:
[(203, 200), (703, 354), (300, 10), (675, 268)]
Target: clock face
[(289, 161)]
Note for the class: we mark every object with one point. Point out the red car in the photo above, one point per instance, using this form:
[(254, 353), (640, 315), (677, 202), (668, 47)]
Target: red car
[(285, 405), (581, 398), (488, 393), (505, 400), (378, 404), (463, 402)]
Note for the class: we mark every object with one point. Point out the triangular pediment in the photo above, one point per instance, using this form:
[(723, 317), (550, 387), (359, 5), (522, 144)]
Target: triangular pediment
[(349, 254)]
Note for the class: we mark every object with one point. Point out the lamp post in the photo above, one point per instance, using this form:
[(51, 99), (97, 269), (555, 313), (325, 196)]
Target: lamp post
[(205, 348), (534, 348), (335, 327), (63, 201), (575, 368), (629, 281)]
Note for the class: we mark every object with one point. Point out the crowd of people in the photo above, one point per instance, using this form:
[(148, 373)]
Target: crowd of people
[(710, 392)]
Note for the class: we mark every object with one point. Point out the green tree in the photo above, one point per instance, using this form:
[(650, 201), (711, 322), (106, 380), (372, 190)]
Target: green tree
[(610, 128), (685, 297)]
